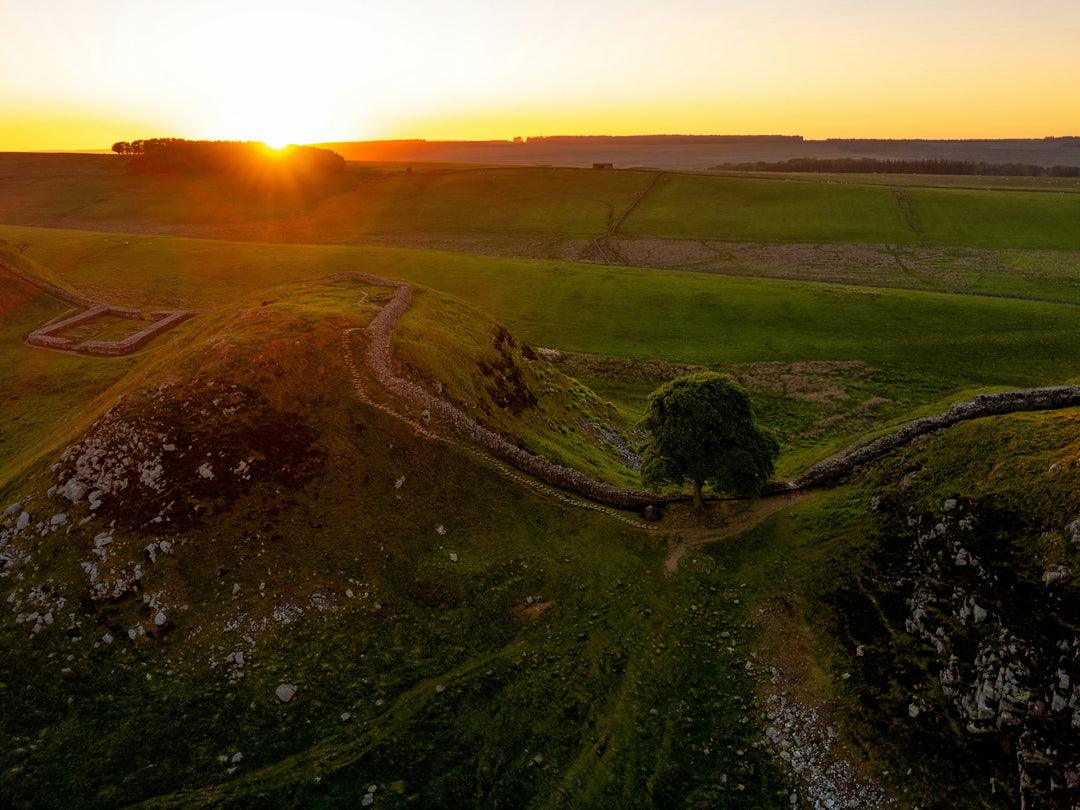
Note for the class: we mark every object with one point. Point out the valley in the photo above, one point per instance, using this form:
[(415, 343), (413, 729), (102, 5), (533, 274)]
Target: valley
[(286, 555)]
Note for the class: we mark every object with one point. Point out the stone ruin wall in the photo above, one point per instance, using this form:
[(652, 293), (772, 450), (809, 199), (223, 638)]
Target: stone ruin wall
[(821, 474)]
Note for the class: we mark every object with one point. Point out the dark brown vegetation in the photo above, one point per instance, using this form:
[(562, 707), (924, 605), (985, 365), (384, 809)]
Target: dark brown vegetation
[(177, 155), (874, 166)]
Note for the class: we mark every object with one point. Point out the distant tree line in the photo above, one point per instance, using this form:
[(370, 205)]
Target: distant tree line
[(178, 155), (875, 166), (661, 139)]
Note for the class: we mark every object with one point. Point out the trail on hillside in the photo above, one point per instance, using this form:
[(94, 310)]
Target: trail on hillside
[(734, 523)]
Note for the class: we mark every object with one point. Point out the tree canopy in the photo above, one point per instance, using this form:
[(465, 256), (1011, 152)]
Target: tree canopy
[(702, 427), (177, 155)]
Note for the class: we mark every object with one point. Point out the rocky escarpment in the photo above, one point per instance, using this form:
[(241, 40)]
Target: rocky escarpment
[(994, 627), (1006, 642), (168, 454)]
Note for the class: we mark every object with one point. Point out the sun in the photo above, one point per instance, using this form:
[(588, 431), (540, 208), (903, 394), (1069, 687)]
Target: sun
[(277, 143)]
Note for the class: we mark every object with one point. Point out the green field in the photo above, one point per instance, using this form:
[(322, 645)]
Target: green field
[(460, 639), (767, 209)]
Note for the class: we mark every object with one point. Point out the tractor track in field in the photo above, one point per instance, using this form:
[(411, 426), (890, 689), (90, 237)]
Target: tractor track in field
[(622, 218)]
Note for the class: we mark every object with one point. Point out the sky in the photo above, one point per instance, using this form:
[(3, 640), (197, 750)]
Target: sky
[(82, 74)]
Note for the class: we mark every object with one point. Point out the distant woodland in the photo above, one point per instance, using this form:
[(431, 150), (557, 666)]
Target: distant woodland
[(875, 166), (180, 156)]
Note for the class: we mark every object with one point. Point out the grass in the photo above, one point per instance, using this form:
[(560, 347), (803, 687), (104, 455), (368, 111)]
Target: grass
[(744, 209), (524, 207), (569, 203), (854, 559), (998, 220), (619, 679), (478, 366), (980, 182), (453, 688), (932, 347), (685, 206)]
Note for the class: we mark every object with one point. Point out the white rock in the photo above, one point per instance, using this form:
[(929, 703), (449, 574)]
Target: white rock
[(236, 588), (237, 757), (440, 530), (107, 638), (74, 490), (23, 521), (453, 558), (133, 634), (399, 482), (160, 618), (912, 710), (206, 471), (57, 520), (11, 510), (285, 692), (980, 613)]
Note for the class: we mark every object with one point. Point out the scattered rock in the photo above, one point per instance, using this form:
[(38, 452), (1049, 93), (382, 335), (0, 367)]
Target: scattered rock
[(285, 692), (74, 490)]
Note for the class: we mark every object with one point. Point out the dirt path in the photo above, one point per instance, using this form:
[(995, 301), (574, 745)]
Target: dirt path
[(735, 522)]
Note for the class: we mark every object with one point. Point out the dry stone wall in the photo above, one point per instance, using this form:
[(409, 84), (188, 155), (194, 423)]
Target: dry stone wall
[(823, 473), (1033, 399), (379, 360)]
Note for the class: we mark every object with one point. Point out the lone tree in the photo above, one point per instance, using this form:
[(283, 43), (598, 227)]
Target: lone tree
[(703, 428)]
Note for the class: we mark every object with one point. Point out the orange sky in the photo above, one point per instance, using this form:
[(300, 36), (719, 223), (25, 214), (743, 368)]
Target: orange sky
[(85, 73)]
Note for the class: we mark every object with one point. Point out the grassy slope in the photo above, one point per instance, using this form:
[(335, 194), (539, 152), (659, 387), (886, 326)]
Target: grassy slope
[(95, 192), (618, 685), (995, 342), (481, 368), (932, 347), (766, 209), (837, 550)]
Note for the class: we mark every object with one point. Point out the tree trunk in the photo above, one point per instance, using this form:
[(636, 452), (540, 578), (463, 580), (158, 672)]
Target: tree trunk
[(699, 504)]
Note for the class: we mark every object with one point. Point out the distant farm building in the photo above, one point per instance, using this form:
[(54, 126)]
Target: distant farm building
[(603, 165)]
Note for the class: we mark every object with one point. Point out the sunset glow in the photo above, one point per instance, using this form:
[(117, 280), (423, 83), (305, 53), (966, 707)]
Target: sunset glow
[(82, 75)]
